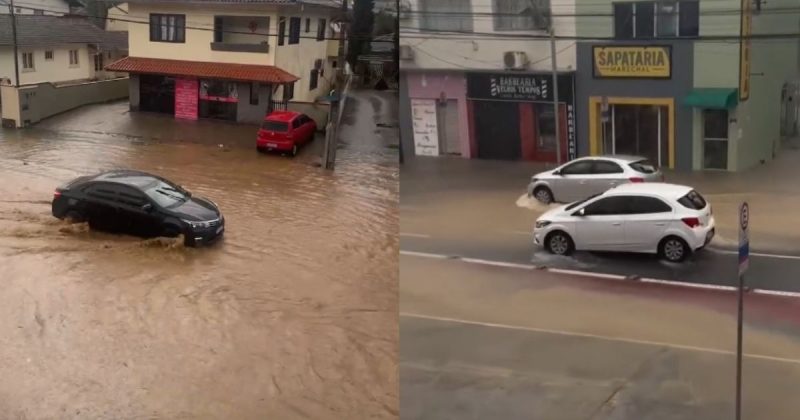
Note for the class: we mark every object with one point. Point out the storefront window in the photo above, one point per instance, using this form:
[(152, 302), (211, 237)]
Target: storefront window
[(546, 126), (715, 139)]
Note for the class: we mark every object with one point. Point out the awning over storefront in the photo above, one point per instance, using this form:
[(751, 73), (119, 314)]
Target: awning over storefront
[(714, 98), (206, 70)]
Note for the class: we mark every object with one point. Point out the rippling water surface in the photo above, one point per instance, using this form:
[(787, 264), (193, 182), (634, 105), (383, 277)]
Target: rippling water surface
[(293, 314)]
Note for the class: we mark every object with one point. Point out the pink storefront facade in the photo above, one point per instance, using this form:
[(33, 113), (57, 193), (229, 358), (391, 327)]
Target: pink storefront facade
[(442, 97)]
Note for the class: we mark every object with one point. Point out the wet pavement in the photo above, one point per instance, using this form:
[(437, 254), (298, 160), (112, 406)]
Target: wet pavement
[(478, 209), (483, 341), (292, 315)]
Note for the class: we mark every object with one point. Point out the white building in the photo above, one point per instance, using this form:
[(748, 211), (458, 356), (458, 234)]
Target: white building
[(476, 77), (36, 7), (230, 60)]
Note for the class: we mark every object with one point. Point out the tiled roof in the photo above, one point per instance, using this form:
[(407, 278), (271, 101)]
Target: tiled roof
[(42, 31), (201, 69)]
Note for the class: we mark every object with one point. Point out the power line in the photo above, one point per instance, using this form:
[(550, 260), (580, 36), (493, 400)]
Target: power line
[(712, 12)]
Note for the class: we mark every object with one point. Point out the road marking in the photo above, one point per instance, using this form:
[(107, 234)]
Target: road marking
[(600, 337), (414, 235), (593, 274), (757, 254), (521, 232)]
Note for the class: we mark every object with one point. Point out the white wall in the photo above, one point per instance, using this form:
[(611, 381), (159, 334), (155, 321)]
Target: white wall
[(56, 70), (298, 59), (115, 13), (50, 7), (482, 52)]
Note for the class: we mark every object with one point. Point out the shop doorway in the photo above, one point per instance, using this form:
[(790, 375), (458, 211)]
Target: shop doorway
[(640, 130), (157, 93), (497, 133), (447, 121)]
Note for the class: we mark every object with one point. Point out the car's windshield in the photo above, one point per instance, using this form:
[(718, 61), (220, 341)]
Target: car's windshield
[(165, 195), (275, 126), (578, 203)]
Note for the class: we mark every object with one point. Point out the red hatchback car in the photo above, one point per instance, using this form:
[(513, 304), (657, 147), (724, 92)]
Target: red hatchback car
[(285, 131)]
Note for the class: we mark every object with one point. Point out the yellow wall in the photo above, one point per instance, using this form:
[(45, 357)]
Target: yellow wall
[(298, 59), (58, 69), (595, 124)]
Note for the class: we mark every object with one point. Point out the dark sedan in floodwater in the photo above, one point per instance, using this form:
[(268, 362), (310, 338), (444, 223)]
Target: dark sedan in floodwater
[(141, 204)]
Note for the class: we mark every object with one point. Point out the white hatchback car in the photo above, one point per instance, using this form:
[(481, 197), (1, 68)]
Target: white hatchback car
[(670, 220)]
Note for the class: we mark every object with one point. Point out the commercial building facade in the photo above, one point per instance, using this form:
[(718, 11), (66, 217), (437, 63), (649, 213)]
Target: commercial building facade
[(676, 83), (487, 97), (229, 61)]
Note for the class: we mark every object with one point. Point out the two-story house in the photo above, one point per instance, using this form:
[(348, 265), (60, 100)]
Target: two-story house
[(476, 78), (231, 60), (674, 81), (37, 7)]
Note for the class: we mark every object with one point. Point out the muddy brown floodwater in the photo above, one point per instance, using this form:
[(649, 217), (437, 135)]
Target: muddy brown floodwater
[(292, 315)]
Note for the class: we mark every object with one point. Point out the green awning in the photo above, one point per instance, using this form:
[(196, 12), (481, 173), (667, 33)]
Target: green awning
[(715, 98)]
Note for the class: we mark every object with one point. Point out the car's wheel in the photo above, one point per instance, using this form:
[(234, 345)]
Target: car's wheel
[(543, 194), (559, 243), (674, 249), (259, 150), (74, 216), (294, 150)]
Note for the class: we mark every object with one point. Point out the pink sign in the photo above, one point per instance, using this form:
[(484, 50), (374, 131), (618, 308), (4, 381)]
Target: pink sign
[(186, 98)]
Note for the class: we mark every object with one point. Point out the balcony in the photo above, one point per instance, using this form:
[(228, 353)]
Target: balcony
[(248, 34)]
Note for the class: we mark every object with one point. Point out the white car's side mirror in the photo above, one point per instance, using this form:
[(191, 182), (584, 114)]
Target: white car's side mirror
[(581, 212)]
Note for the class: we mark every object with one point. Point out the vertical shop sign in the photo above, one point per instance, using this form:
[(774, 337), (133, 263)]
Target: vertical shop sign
[(186, 99), (744, 50), (426, 134), (571, 143)]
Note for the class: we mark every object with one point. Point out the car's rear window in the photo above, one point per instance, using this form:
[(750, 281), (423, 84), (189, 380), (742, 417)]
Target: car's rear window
[(644, 166), (693, 201), (275, 126)]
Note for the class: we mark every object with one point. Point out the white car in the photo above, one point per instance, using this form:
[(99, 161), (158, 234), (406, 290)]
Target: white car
[(583, 177), (670, 220)]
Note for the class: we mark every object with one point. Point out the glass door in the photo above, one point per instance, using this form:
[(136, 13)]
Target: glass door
[(715, 139)]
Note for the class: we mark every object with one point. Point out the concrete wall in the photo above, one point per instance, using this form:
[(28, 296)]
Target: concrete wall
[(133, 92), (484, 52), (318, 112), (45, 100), (50, 7), (56, 70), (252, 113), (454, 86), (677, 87)]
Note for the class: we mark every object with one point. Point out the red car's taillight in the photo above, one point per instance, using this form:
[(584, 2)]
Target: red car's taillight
[(636, 179), (692, 222)]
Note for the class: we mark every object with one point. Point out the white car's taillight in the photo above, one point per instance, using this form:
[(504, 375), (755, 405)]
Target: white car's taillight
[(692, 222)]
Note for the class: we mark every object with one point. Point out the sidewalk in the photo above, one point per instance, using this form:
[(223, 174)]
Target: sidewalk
[(473, 193)]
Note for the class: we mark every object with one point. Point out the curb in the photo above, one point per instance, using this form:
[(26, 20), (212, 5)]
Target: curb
[(532, 267)]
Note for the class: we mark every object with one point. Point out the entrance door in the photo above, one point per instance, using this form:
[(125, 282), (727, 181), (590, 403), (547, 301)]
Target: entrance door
[(157, 93), (715, 139), (448, 128), (497, 130), (639, 130)]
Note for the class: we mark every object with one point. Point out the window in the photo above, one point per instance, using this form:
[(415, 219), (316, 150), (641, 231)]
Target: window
[(521, 15), (131, 197), (38, 12), (294, 30), (27, 61), (545, 127), (254, 88), (321, 29), (649, 19), (606, 167), (101, 192), (313, 80), (715, 138), (288, 91), (308, 25), (608, 206), (578, 168), (218, 34), (445, 15), (48, 55), (281, 30), (278, 126), (73, 58), (693, 201), (167, 28), (647, 205), (333, 64), (98, 62), (644, 167), (297, 123)]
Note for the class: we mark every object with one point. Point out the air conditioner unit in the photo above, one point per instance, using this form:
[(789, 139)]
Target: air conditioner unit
[(406, 53), (515, 60)]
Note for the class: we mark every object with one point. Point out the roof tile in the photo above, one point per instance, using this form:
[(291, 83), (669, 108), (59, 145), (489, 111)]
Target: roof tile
[(200, 69)]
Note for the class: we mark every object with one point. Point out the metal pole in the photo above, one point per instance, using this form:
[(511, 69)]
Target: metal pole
[(14, 37), (338, 83), (557, 114), (739, 349)]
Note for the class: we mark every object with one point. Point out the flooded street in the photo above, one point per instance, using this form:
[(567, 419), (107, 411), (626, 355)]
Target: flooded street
[(292, 315)]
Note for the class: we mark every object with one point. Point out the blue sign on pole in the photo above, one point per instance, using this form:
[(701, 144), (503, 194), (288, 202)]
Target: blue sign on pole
[(744, 238)]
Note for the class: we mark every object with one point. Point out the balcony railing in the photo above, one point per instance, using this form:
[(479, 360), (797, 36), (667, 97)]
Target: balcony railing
[(239, 47)]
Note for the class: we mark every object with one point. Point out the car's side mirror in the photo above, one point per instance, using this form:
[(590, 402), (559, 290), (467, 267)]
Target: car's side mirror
[(556, 172), (147, 207), (580, 213)]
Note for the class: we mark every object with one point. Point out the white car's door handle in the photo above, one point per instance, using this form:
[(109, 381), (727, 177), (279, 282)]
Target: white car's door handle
[(661, 224), (616, 224)]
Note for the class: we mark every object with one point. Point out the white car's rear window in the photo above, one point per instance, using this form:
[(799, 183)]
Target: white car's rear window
[(693, 201), (644, 166)]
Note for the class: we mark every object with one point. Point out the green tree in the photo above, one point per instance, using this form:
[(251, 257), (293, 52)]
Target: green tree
[(360, 30)]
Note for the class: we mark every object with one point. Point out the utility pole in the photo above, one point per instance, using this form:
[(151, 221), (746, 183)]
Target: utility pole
[(332, 129), (14, 38), (557, 114)]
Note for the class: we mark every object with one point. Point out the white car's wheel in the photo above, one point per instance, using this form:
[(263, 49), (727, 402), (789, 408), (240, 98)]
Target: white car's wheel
[(543, 194), (559, 243), (674, 249)]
